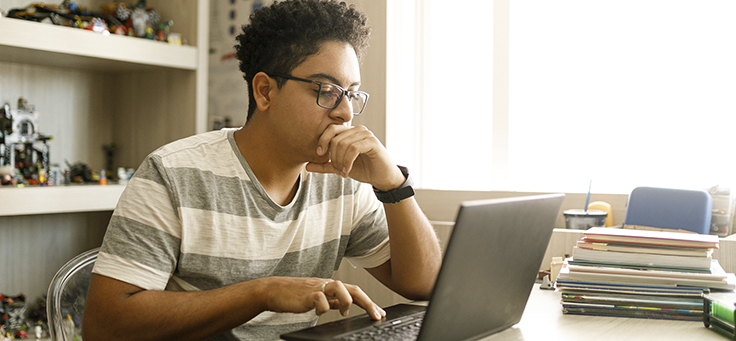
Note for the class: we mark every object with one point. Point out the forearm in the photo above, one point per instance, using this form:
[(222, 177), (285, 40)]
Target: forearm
[(415, 251), (166, 315)]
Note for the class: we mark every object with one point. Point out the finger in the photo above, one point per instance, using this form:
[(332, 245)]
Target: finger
[(323, 144), (320, 167), (362, 300), (346, 147), (338, 290), (352, 153), (321, 304)]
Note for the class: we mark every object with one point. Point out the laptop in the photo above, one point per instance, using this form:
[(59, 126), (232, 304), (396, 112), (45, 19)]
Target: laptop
[(488, 271)]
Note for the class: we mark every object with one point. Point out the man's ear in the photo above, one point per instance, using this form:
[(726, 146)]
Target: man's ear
[(262, 87)]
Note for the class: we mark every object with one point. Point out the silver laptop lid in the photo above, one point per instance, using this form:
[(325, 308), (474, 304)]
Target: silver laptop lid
[(490, 266)]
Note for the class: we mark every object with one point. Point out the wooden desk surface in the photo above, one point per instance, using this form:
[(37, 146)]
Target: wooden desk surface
[(543, 320)]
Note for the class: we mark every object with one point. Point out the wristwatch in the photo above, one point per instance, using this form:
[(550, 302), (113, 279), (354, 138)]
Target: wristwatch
[(397, 194)]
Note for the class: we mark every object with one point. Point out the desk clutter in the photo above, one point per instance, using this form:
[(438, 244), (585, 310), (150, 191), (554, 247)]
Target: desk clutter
[(642, 274)]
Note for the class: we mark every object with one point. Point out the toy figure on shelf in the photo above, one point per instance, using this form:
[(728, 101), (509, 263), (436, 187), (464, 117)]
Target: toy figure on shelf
[(38, 316), (20, 158), (79, 172), (109, 150), (14, 315), (98, 25), (136, 20), (139, 19)]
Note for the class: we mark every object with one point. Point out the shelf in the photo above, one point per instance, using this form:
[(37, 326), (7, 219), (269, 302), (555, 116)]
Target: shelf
[(58, 199), (44, 44)]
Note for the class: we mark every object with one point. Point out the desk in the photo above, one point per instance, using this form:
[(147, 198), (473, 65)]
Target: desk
[(543, 320)]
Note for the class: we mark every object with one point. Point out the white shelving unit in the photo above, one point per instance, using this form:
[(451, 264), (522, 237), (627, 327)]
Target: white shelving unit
[(144, 94), (92, 90), (59, 199), (31, 42)]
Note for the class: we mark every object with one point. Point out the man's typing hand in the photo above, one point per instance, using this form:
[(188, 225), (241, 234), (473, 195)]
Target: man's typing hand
[(299, 295)]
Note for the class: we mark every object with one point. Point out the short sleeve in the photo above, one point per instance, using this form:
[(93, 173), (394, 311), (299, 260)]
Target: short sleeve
[(142, 242)]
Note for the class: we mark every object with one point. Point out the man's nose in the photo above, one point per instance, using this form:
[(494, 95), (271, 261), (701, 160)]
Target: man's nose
[(343, 110)]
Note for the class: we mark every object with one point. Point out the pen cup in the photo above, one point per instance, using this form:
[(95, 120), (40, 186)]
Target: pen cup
[(579, 219)]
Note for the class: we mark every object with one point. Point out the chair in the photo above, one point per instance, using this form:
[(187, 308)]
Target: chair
[(670, 209), (67, 295)]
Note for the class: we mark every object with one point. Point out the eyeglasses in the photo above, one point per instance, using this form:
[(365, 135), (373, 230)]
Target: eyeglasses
[(330, 95)]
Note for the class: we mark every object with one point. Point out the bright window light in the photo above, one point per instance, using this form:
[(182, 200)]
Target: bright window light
[(623, 93), (440, 89)]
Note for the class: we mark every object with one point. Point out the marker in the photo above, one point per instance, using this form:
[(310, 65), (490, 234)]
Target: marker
[(587, 198)]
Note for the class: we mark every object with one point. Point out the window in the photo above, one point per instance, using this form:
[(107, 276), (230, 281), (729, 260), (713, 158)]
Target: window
[(439, 67), (535, 95)]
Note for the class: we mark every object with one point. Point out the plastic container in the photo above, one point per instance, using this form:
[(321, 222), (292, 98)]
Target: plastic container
[(579, 219), (603, 206), (554, 268)]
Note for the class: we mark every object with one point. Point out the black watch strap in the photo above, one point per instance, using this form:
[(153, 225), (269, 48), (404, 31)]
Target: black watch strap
[(397, 194)]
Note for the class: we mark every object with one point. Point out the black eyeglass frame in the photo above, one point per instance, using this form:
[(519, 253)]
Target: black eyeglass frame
[(337, 102)]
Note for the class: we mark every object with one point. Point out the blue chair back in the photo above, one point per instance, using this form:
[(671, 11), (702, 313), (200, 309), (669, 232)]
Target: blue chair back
[(670, 208)]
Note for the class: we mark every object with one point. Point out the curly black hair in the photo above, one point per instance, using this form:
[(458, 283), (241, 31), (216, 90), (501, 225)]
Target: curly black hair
[(280, 37)]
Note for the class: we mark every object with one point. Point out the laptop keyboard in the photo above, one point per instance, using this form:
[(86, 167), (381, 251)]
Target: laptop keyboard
[(404, 328)]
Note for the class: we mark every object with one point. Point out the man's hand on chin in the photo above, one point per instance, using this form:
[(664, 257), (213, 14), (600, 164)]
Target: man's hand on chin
[(357, 153)]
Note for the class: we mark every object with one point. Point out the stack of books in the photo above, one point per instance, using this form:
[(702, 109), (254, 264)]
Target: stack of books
[(641, 273)]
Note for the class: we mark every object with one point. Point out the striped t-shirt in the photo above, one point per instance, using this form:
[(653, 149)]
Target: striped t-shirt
[(194, 217)]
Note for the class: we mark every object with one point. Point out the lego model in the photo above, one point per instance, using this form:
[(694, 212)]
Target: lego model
[(24, 150)]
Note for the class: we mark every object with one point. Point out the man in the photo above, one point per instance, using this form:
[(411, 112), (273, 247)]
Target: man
[(236, 233)]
